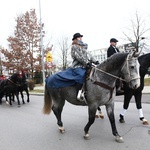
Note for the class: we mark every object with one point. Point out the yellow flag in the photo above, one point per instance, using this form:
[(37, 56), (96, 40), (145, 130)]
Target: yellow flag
[(49, 57)]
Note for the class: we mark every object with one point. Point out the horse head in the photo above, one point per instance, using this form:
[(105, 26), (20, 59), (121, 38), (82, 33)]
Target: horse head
[(130, 70)]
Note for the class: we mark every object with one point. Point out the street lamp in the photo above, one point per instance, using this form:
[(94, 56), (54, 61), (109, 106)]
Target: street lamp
[(41, 44)]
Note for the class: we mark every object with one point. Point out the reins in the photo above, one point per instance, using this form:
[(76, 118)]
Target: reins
[(109, 74), (13, 82)]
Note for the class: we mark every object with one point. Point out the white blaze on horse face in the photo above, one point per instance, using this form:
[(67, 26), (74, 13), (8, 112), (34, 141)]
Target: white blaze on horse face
[(131, 71)]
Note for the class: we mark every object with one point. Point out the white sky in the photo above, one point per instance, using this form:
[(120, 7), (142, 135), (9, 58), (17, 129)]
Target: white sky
[(97, 20)]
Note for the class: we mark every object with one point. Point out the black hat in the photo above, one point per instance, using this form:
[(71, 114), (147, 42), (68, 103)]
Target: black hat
[(113, 40), (76, 35)]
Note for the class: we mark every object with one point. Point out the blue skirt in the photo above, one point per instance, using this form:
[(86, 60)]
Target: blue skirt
[(68, 77)]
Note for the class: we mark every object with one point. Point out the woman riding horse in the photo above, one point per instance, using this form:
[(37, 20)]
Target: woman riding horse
[(76, 73), (81, 58)]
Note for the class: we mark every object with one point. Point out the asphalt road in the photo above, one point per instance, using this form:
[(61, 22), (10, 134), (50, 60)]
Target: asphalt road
[(26, 128)]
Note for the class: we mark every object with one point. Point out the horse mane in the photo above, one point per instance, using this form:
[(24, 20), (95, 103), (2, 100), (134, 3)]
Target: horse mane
[(113, 62)]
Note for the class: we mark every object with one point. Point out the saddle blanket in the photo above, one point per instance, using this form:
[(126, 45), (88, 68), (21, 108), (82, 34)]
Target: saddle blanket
[(68, 77)]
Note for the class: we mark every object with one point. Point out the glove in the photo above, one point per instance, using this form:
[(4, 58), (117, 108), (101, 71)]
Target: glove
[(88, 65), (96, 63)]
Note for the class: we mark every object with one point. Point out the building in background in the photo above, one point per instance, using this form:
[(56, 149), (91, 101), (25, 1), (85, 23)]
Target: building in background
[(101, 54)]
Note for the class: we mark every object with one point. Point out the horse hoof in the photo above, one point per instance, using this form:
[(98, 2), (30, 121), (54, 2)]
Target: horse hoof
[(7, 103), (145, 122), (19, 106), (121, 121), (96, 116), (86, 136), (119, 139), (101, 116), (61, 129)]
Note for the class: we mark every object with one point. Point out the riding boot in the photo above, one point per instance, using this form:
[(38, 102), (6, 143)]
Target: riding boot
[(121, 119), (81, 94)]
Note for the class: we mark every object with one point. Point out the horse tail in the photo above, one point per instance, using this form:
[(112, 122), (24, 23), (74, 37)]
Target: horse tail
[(47, 102)]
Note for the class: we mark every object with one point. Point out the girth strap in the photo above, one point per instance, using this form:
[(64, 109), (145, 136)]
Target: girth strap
[(106, 87)]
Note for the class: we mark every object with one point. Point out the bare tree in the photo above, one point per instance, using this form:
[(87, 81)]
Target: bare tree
[(135, 33), (64, 46)]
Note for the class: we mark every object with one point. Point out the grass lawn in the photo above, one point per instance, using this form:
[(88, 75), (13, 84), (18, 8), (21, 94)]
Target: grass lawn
[(147, 81)]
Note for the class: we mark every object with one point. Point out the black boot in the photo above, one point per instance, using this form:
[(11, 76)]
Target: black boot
[(121, 119)]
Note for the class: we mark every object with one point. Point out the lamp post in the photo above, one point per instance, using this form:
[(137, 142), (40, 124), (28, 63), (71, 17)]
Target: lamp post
[(41, 44)]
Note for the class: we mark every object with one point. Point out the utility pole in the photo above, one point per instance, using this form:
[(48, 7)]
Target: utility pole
[(1, 69), (41, 45)]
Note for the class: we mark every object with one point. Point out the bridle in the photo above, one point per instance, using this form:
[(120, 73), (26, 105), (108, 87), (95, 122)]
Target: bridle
[(126, 62), (129, 72)]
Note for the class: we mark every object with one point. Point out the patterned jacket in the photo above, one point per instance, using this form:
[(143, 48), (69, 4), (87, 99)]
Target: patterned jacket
[(80, 55)]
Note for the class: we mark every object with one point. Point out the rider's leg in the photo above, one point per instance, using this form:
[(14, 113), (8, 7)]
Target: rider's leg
[(81, 92)]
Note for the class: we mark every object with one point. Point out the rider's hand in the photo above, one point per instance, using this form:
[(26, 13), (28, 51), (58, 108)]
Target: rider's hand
[(96, 63), (89, 65)]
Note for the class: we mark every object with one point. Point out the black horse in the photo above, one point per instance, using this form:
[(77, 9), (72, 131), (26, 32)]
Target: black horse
[(9, 87), (144, 61), (21, 86)]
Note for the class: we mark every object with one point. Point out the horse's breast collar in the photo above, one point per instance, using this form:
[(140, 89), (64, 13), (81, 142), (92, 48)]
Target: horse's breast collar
[(90, 76)]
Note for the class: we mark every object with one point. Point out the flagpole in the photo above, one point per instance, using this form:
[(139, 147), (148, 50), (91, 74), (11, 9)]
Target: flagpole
[(41, 45)]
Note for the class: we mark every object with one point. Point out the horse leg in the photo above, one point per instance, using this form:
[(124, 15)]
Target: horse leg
[(110, 113), (138, 97), (10, 99), (6, 98), (17, 96), (92, 112), (28, 100), (13, 97), (57, 109), (127, 98), (99, 113), (1, 96), (21, 92)]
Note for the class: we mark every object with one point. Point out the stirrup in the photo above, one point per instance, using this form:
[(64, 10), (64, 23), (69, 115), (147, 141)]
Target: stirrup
[(81, 96)]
